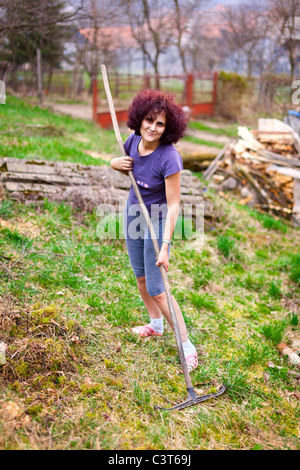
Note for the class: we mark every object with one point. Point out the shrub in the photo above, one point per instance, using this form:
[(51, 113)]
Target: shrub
[(231, 91)]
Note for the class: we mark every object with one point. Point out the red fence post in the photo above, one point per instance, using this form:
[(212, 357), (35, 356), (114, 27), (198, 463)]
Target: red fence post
[(215, 91), (95, 98), (146, 82), (189, 90)]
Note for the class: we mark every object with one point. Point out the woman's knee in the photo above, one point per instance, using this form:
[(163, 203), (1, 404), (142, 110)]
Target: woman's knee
[(157, 293), (154, 289), (141, 282)]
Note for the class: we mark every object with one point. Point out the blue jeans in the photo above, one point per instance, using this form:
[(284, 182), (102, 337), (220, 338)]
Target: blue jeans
[(140, 247)]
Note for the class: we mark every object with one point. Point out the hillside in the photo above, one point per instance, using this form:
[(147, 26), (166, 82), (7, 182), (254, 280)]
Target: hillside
[(75, 376)]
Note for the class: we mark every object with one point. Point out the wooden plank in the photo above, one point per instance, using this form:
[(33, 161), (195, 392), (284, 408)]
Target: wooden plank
[(43, 178), (285, 171), (41, 169), (56, 166), (30, 188), (273, 158)]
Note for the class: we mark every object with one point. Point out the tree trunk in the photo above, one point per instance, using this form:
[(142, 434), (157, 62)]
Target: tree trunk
[(39, 75), (157, 81), (292, 61), (182, 57)]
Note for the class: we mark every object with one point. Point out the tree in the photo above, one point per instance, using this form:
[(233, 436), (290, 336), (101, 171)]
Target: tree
[(93, 43), (181, 24), (203, 41), (23, 14), (43, 31), (151, 27), (284, 15), (246, 29)]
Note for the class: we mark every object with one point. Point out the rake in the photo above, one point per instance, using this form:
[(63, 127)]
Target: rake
[(193, 398)]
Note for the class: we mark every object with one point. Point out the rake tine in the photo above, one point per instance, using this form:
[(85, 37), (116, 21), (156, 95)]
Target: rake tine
[(194, 401)]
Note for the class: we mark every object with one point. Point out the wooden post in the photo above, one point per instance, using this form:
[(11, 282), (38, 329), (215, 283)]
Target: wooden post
[(39, 75), (189, 90), (116, 84), (95, 98), (146, 82), (215, 91)]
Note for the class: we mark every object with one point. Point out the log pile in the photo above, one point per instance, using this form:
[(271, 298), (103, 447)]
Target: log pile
[(84, 187), (263, 168)]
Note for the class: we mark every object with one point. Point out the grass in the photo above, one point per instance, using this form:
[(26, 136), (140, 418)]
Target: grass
[(208, 143), (68, 138), (77, 378), (228, 131)]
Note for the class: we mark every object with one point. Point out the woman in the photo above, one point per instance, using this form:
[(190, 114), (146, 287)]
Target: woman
[(158, 123)]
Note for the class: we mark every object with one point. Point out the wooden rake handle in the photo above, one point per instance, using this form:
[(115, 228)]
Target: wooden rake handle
[(151, 230)]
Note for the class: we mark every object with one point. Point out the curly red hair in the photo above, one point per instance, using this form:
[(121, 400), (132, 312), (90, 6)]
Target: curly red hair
[(155, 102)]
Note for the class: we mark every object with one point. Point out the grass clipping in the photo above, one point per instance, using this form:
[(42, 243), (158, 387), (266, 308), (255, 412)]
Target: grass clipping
[(41, 345)]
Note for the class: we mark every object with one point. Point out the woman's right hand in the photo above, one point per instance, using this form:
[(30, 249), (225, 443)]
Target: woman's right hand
[(122, 163)]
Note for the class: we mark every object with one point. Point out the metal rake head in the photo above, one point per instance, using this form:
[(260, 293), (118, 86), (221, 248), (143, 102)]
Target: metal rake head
[(194, 399)]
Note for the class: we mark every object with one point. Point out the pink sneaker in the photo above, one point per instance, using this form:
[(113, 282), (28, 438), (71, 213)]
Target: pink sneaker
[(144, 331)]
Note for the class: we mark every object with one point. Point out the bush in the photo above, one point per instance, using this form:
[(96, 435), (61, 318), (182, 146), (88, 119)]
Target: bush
[(231, 91)]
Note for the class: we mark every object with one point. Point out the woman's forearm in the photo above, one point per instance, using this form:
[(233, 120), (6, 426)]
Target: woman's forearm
[(171, 220)]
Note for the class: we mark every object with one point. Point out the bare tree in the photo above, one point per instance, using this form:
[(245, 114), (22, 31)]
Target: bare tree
[(151, 27), (285, 15), (246, 26), (203, 45), (202, 52), (183, 11), (94, 43)]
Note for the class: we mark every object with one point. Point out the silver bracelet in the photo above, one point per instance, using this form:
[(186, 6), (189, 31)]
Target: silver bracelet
[(166, 241)]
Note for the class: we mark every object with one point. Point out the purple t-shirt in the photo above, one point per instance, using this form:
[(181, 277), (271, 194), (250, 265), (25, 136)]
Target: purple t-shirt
[(150, 172)]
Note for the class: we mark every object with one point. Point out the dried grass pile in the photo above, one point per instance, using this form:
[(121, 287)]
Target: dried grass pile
[(41, 345)]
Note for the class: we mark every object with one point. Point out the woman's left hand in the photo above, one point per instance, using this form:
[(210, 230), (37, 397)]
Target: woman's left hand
[(163, 258)]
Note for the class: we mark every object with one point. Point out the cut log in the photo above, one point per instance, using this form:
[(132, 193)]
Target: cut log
[(85, 187), (43, 178), (27, 188), (287, 171), (261, 193)]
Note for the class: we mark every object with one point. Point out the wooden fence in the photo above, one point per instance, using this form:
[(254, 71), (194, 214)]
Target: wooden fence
[(196, 91), (64, 84)]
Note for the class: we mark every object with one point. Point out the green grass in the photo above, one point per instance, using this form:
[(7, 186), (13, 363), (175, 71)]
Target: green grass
[(77, 378), (268, 221), (229, 131), (295, 268), (274, 331), (208, 143), (225, 245), (67, 140)]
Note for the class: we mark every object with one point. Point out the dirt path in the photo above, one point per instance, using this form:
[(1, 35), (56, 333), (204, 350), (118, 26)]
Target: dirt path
[(83, 111)]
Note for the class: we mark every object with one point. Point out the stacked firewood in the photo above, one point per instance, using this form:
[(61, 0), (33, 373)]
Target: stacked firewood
[(263, 167)]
